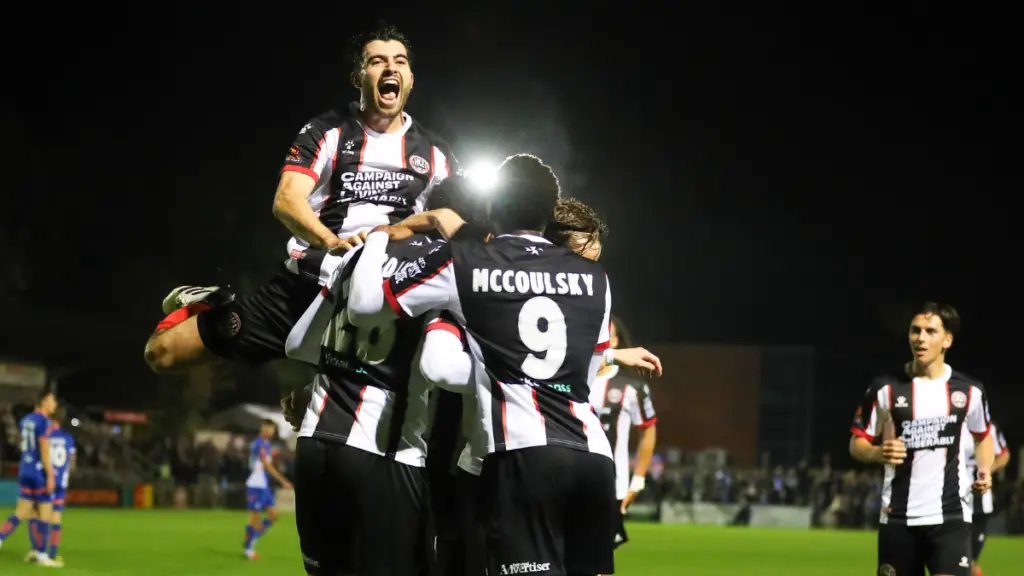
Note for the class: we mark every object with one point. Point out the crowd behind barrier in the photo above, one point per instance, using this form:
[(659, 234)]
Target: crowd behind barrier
[(180, 472)]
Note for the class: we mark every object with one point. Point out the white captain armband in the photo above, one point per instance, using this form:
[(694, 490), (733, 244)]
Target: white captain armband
[(609, 356), (637, 484)]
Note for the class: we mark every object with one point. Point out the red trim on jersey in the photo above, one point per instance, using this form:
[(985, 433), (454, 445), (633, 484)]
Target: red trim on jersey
[(301, 170), (359, 406), (405, 162), (393, 300), (982, 435), (647, 423), (858, 432), (947, 398), (601, 347), (536, 406), (323, 405), (445, 326), (572, 410)]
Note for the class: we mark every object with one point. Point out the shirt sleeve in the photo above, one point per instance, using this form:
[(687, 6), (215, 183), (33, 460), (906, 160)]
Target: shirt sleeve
[(444, 360), (866, 422), (641, 407), (45, 430), (313, 150), (443, 164), (979, 422), (604, 340), (1000, 439), (426, 283), (305, 337)]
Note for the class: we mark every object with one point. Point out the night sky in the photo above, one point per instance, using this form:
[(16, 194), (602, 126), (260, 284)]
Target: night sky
[(771, 175)]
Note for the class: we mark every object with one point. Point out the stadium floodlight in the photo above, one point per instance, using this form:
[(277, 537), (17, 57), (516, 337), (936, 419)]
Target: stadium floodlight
[(482, 176)]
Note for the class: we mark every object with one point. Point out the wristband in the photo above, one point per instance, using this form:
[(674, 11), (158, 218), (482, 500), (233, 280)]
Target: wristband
[(637, 484), (609, 356)]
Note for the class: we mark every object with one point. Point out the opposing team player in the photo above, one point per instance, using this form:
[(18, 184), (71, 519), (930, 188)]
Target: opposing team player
[(36, 476), (62, 453), (361, 488), (259, 492), (919, 414), (349, 169), (983, 504), (446, 362), (536, 322), (623, 401)]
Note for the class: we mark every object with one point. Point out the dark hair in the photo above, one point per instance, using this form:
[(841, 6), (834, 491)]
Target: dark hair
[(949, 316), (457, 194), (269, 422), (572, 216), (384, 32), (526, 194), (59, 414), (625, 340)]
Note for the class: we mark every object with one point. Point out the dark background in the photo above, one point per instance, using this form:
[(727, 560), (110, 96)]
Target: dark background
[(772, 174)]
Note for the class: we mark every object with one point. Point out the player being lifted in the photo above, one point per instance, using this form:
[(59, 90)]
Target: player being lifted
[(535, 315), (919, 414), (623, 401), (259, 493), (983, 504), (348, 170), (36, 477), (62, 453)]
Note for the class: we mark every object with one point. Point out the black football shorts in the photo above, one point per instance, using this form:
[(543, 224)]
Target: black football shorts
[(253, 328), (361, 513), (908, 550), (549, 510)]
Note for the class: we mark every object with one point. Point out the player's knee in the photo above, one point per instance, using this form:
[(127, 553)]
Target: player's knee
[(158, 354), (175, 348)]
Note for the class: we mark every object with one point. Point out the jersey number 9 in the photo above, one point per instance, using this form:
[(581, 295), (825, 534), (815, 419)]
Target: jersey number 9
[(371, 345), (542, 330)]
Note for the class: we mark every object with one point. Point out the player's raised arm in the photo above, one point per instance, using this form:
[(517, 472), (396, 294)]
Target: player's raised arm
[(444, 360), (307, 160), (424, 284)]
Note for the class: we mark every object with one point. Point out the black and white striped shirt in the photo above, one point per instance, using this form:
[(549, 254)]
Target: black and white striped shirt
[(622, 402), (363, 178), (536, 320), (368, 392), (984, 503), (932, 485)]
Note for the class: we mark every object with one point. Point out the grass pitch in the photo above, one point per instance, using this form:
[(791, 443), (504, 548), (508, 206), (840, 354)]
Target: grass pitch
[(193, 543)]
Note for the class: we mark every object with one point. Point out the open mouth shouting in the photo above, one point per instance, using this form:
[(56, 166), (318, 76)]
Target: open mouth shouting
[(389, 91)]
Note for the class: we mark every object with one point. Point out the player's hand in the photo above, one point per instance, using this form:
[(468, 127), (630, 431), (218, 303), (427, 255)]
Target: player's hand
[(983, 483), (294, 406), (395, 232), (630, 496), (639, 358), (894, 452), (51, 484), (287, 485), (341, 246)]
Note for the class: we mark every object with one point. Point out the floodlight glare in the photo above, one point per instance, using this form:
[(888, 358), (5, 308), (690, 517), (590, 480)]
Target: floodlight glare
[(482, 176)]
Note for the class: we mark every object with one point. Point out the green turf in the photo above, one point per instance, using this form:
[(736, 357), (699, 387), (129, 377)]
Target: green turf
[(144, 543)]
